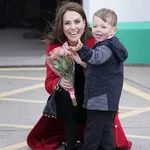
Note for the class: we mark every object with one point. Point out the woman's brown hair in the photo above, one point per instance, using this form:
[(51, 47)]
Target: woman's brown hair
[(57, 35)]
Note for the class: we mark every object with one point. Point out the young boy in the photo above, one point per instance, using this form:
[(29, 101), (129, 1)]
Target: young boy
[(104, 80)]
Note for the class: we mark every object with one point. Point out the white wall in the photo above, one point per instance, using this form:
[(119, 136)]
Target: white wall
[(127, 10)]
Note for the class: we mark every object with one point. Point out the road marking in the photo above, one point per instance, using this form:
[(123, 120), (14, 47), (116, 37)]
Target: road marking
[(24, 144), (22, 77), (23, 69), (134, 112), (126, 87), (138, 137), (22, 100), (16, 126), (136, 92), (15, 146), (121, 116), (130, 108), (20, 90), (44, 101)]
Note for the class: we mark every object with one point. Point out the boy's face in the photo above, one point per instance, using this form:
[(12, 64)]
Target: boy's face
[(102, 30)]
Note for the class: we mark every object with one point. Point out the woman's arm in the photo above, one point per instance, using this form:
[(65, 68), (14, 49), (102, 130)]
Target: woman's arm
[(52, 78), (78, 60)]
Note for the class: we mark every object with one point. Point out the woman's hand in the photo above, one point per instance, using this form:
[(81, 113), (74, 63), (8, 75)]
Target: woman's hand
[(78, 60), (65, 84)]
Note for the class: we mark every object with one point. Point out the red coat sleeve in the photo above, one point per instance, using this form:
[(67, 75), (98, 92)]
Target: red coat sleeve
[(51, 77), (90, 42)]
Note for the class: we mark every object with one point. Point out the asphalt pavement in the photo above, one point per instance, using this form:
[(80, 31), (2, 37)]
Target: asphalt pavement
[(23, 97)]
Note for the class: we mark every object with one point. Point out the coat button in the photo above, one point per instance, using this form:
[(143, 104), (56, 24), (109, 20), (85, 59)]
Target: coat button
[(115, 126)]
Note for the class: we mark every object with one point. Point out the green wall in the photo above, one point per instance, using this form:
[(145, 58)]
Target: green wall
[(136, 38)]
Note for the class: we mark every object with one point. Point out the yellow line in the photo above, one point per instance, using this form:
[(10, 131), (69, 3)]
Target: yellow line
[(23, 69), (15, 146), (136, 92), (24, 144), (15, 126), (121, 116), (126, 87), (134, 112), (22, 77), (28, 88), (22, 100), (139, 137), (44, 101), (129, 108)]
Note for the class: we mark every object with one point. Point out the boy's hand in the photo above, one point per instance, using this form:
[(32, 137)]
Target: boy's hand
[(76, 48), (79, 45)]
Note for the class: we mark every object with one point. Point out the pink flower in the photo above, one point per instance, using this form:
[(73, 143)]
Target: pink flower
[(62, 64), (54, 56), (59, 51)]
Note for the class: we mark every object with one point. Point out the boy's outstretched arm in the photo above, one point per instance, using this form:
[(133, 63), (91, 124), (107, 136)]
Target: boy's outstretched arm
[(95, 56)]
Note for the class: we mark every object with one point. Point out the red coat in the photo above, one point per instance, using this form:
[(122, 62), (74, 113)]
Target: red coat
[(51, 77), (48, 134)]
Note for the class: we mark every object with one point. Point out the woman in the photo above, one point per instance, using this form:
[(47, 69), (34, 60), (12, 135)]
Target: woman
[(49, 133), (72, 20)]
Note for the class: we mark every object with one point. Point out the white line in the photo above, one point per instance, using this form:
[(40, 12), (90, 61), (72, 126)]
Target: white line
[(22, 77), (22, 100)]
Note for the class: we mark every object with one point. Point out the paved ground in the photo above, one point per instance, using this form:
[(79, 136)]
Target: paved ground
[(22, 98), (22, 94)]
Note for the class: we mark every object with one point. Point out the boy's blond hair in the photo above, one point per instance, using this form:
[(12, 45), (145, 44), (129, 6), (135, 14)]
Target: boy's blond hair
[(107, 15)]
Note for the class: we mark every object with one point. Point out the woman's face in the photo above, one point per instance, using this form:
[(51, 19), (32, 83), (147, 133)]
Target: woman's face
[(73, 26)]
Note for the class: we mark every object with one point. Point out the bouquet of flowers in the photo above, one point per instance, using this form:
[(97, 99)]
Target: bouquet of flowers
[(62, 63)]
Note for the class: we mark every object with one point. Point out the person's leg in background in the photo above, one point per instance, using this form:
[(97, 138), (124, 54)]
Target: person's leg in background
[(47, 13), (44, 14), (15, 12), (3, 19), (33, 15)]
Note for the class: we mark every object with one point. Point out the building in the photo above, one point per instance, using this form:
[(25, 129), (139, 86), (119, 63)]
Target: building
[(133, 20)]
